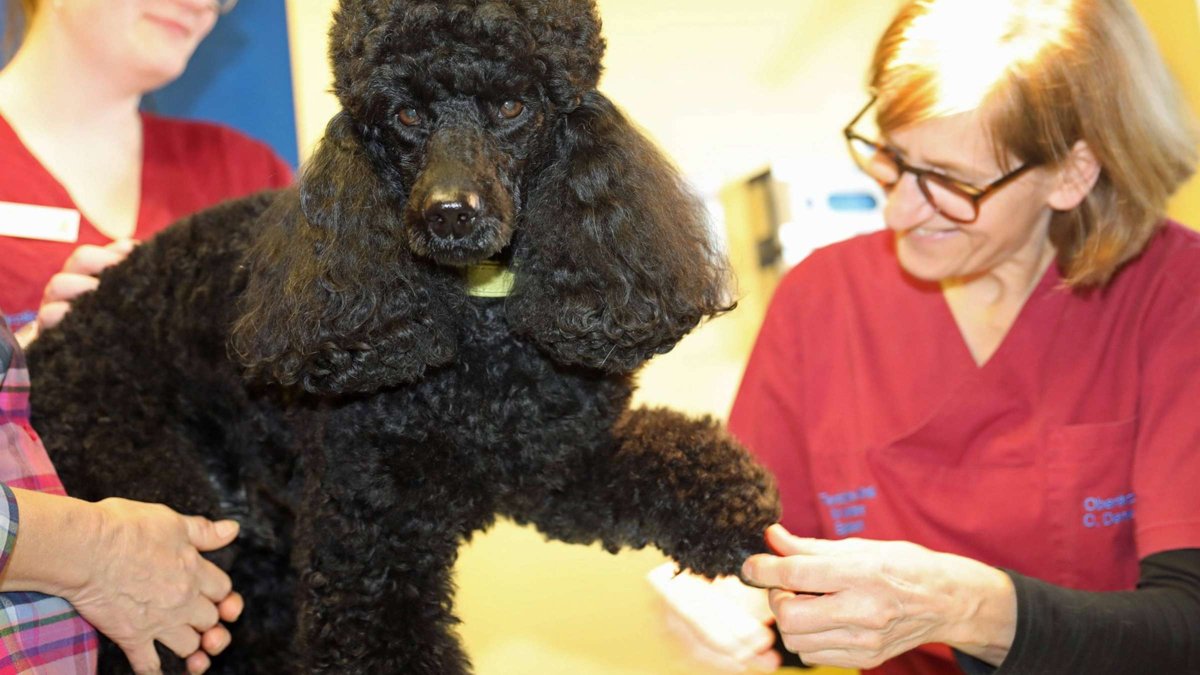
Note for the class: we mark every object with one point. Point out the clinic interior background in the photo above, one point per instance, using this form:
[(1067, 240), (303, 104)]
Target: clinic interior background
[(750, 99), (736, 92)]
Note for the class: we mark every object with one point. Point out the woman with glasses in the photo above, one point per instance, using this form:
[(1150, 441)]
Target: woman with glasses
[(982, 419), (84, 174)]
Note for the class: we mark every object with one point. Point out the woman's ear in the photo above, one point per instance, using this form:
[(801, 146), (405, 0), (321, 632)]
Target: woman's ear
[(335, 301), (616, 260), (1075, 176)]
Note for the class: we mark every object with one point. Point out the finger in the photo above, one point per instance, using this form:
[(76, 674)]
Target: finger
[(777, 596), (122, 247), (68, 286), (213, 582), (789, 617), (206, 535), (143, 659), (90, 260), (785, 543), (198, 663), (231, 607), (182, 640), (203, 615), (812, 614), (838, 639), (801, 573), (215, 639), (839, 658), (51, 314)]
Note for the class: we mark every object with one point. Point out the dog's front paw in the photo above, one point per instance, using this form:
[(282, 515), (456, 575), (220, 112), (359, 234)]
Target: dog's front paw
[(730, 527)]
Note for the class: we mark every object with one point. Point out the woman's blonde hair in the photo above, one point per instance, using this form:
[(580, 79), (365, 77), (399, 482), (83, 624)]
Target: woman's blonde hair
[(16, 24), (1046, 74)]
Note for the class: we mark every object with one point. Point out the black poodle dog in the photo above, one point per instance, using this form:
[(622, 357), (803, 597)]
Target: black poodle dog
[(319, 364)]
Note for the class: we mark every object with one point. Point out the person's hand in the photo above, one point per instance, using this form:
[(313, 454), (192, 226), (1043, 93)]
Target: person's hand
[(146, 581), (722, 623), (77, 276), (855, 603)]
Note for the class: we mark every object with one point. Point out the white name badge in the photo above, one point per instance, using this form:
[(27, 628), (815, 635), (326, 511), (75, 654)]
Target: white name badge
[(30, 221)]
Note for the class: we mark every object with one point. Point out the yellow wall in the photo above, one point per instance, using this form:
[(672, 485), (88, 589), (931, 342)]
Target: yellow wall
[(1176, 26), (728, 88)]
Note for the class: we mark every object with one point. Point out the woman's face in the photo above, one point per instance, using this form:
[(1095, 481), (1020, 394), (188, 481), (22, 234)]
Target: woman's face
[(1013, 222), (148, 41)]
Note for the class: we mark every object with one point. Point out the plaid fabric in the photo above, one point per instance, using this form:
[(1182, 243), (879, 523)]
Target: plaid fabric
[(38, 633)]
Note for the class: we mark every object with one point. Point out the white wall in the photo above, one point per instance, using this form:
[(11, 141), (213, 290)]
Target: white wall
[(725, 87)]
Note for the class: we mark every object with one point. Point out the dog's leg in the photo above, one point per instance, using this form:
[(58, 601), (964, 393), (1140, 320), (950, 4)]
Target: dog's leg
[(681, 484), (374, 562)]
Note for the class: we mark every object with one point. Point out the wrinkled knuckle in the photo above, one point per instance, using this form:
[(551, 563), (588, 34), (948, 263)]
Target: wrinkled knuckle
[(179, 592), (877, 619), (872, 643)]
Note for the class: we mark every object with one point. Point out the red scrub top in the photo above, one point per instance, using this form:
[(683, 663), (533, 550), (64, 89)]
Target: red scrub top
[(187, 166), (1071, 454)]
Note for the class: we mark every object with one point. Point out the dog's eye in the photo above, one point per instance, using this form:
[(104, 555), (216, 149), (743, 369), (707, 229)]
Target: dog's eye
[(511, 109), (409, 117)]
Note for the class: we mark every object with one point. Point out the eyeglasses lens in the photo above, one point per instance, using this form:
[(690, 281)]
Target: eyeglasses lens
[(883, 168)]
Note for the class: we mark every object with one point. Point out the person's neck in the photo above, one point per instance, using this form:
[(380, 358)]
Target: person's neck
[(59, 91), (1009, 284), (986, 306)]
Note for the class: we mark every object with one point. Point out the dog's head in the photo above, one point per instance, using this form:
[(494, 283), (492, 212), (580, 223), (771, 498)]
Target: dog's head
[(472, 128), (456, 104)]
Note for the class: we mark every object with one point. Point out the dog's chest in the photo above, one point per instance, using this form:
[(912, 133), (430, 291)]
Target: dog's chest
[(500, 387)]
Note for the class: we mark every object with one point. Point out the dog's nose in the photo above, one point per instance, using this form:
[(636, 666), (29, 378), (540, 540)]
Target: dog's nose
[(452, 216)]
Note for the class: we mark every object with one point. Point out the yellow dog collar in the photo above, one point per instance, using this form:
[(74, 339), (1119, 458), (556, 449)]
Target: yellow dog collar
[(489, 279)]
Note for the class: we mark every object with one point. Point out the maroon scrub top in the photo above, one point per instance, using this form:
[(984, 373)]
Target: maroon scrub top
[(187, 166), (1068, 456)]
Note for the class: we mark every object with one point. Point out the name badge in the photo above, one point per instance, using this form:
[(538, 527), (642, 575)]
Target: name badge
[(30, 221)]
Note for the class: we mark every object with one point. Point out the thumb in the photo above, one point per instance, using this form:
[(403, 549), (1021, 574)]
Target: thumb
[(206, 535), (785, 543)]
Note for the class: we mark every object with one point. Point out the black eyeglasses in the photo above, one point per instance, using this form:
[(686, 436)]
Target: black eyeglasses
[(952, 198)]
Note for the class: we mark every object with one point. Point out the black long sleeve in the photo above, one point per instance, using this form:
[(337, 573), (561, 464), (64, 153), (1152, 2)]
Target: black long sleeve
[(1154, 629)]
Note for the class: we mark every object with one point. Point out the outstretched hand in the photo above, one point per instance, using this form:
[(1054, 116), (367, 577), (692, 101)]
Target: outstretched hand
[(855, 603), (147, 581)]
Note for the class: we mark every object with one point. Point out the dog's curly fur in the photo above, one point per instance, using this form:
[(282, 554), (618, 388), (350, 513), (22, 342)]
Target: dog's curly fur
[(374, 414)]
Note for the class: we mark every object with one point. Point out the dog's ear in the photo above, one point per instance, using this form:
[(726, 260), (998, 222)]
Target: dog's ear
[(334, 299), (617, 260)]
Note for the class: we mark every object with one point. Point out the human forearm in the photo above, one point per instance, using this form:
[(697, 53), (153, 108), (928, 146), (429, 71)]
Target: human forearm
[(983, 617), (55, 544), (1155, 629)]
